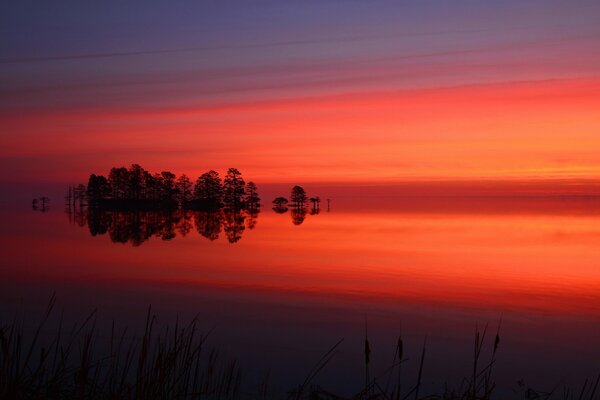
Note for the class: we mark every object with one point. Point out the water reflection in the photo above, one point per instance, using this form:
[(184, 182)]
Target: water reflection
[(431, 265), (298, 213), (136, 227)]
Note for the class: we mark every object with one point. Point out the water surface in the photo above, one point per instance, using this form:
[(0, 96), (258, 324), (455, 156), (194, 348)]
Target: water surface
[(279, 290)]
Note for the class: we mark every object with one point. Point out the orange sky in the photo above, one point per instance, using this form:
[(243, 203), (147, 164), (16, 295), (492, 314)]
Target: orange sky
[(303, 93), (513, 130)]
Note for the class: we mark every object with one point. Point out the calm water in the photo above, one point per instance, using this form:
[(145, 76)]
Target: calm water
[(288, 288)]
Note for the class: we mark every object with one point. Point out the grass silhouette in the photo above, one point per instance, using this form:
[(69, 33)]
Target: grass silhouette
[(174, 363)]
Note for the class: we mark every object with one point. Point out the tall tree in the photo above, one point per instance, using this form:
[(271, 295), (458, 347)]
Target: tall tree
[(169, 190), (298, 196), (98, 189), (136, 187), (252, 200), (184, 190), (233, 188), (119, 182), (208, 190)]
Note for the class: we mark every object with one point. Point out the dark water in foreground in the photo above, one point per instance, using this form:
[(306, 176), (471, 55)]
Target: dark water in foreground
[(279, 293)]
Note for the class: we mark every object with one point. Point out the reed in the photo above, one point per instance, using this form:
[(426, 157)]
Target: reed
[(172, 362), (167, 364)]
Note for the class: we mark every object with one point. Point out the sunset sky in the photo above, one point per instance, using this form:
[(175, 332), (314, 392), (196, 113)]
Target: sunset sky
[(302, 91)]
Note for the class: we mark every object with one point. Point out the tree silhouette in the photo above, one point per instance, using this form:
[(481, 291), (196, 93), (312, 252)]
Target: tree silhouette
[(184, 190), (34, 204), (234, 189), (135, 182), (252, 200), (298, 196), (208, 191), (153, 186), (119, 182), (279, 205), (169, 190), (135, 188), (98, 189), (280, 201)]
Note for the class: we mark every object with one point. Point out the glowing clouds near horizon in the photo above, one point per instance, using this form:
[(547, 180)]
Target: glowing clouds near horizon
[(520, 130)]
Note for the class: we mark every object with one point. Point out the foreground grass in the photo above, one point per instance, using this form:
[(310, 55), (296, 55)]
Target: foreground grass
[(173, 363)]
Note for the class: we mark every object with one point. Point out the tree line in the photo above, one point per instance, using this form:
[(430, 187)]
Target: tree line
[(135, 187)]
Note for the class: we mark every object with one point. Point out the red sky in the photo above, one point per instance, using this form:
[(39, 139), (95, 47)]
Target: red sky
[(503, 92)]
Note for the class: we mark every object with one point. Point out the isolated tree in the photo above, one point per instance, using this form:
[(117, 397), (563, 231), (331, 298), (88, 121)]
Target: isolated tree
[(209, 190), (298, 196), (184, 190), (233, 189), (279, 205), (252, 200)]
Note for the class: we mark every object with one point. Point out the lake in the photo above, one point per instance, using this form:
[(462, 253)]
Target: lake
[(277, 290)]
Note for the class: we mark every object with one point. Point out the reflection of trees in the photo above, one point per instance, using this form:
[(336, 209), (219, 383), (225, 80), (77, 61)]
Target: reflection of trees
[(316, 205), (136, 227), (280, 209), (298, 215), (185, 223), (80, 217), (99, 222), (209, 223), (298, 205), (41, 204), (298, 196), (251, 220), (234, 225)]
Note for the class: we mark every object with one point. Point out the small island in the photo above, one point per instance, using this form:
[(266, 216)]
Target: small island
[(298, 202), (135, 188)]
